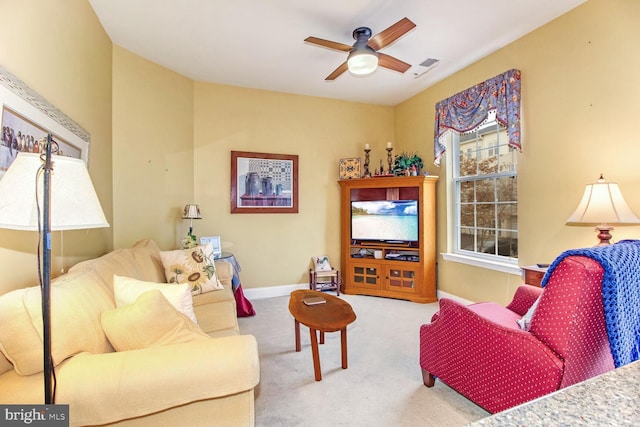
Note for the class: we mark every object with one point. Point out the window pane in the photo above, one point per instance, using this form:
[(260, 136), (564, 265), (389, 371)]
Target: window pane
[(485, 190), (508, 216), (467, 193), (467, 239), (508, 158), (468, 162), (486, 215), (467, 215), (508, 189), (508, 245), (487, 241), (488, 163)]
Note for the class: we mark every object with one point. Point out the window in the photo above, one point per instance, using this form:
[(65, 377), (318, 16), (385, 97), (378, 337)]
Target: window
[(485, 182)]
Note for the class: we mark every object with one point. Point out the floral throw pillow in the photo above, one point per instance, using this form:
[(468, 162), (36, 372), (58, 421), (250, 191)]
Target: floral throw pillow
[(194, 266)]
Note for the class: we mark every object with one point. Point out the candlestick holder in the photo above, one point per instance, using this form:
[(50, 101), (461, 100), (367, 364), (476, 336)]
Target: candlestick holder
[(366, 162), (389, 160)]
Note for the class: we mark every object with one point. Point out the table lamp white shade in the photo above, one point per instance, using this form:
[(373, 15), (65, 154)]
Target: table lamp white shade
[(191, 212), (74, 203), (603, 203)]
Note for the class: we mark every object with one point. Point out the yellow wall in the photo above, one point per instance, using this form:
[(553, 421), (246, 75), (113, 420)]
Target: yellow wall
[(580, 86), (152, 150), (172, 139), (276, 249), (59, 49)]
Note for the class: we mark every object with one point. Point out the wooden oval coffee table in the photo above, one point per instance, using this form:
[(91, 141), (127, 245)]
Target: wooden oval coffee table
[(334, 315)]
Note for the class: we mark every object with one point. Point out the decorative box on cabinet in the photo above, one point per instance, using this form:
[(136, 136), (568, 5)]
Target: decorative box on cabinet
[(404, 270)]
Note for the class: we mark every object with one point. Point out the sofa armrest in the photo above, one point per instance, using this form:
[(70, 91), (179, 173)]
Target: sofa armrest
[(129, 384), (224, 270), (524, 298)]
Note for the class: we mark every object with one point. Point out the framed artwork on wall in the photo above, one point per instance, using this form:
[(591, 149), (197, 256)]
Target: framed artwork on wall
[(26, 120), (264, 183)]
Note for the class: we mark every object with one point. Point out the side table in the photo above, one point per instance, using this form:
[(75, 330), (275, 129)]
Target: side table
[(533, 274), (331, 316), (244, 308)]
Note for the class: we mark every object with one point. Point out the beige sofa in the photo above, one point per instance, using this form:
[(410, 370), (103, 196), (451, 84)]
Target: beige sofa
[(207, 381)]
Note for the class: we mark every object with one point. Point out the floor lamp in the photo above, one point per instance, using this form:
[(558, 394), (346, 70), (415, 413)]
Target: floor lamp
[(44, 193)]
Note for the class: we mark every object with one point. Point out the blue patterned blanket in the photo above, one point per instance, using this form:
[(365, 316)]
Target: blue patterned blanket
[(620, 295)]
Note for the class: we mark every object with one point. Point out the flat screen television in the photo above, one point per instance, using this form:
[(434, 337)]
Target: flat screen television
[(393, 221)]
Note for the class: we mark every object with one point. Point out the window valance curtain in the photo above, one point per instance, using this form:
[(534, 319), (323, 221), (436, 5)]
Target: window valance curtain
[(468, 109)]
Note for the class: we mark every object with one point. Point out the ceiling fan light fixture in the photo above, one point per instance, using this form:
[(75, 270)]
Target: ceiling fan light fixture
[(362, 61)]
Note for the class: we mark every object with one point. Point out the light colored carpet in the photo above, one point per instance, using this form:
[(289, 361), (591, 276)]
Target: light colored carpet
[(382, 386)]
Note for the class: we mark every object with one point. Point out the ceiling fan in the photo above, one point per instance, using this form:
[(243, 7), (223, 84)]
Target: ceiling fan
[(364, 56)]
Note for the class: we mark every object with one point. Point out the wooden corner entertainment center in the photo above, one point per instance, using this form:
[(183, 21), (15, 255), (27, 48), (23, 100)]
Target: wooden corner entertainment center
[(386, 268)]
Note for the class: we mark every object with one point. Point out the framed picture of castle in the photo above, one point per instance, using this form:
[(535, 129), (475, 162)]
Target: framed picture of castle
[(264, 183)]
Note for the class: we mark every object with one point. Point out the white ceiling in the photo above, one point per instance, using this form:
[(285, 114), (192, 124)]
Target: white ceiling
[(260, 43)]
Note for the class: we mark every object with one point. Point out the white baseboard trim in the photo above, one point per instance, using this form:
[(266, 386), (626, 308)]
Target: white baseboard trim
[(442, 294), (273, 291), (284, 290)]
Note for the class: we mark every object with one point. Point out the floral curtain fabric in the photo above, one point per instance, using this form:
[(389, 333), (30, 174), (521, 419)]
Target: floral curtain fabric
[(469, 108)]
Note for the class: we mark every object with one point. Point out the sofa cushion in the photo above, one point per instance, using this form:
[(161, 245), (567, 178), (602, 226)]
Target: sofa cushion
[(194, 266), (147, 253), (126, 290), (120, 386), (137, 263), (5, 365), (150, 321), (77, 301)]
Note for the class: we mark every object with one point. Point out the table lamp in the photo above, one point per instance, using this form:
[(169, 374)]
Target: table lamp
[(42, 192), (602, 204), (190, 212)]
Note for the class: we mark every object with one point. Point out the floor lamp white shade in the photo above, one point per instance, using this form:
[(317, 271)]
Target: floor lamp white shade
[(74, 203), (67, 201)]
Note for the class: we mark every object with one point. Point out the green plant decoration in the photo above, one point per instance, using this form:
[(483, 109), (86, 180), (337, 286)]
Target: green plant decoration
[(405, 162), (190, 241)]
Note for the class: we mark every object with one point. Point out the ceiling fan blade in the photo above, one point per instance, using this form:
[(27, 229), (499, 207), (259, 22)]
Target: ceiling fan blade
[(328, 43), (337, 72), (392, 63), (391, 34)]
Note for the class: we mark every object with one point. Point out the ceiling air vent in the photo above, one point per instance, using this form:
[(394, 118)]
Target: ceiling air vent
[(429, 63)]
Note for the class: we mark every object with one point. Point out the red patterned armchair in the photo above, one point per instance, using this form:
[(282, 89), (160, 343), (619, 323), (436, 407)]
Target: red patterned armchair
[(481, 351)]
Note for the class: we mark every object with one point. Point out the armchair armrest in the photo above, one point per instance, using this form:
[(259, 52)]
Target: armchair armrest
[(128, 384), (524, 298)]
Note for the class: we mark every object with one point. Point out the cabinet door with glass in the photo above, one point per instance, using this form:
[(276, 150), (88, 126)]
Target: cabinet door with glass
[(401, 278), (366, 276)]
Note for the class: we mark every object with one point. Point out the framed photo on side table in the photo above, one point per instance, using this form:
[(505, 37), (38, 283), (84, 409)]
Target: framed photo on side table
[(215, 242)]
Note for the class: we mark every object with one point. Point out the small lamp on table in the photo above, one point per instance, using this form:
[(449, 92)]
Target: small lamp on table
[(190, 212)]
